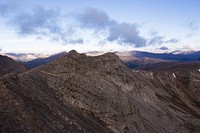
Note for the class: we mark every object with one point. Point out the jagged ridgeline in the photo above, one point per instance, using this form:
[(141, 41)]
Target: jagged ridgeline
[(79, 93)]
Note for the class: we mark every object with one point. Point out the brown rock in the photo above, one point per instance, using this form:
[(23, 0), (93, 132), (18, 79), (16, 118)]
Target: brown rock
[(8, 66)]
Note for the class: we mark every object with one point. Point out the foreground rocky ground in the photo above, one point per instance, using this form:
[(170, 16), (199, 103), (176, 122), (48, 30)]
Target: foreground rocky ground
[(78, 93)]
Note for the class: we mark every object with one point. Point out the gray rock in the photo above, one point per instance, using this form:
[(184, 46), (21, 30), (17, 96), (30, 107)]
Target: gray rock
[(78, 93)]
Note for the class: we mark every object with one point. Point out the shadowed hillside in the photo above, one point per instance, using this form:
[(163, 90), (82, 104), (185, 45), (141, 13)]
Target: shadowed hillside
[(8, 65)]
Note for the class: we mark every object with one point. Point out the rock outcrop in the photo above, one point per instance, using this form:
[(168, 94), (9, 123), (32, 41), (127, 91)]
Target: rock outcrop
[(78, 93), (8, 66)]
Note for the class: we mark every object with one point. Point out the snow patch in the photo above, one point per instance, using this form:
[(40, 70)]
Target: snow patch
[(174, 75), (135, 71)]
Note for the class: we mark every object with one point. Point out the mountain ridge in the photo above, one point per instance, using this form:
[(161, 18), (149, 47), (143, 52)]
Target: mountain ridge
[(102, 92), (133, 59)]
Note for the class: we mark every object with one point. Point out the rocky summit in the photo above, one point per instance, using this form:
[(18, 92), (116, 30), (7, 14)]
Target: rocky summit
[(78, 93)]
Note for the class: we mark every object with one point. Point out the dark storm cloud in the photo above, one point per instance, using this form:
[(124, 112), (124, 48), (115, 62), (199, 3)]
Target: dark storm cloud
[(39, 21), (123, 33), (164, 48)]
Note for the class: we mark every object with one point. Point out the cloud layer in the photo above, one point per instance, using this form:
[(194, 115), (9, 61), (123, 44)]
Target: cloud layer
[(123, 33), (8, 7), (192, 24), (164, 48), (126, 33), (157, 39), (93, 18), (47, 23), (40, 21)]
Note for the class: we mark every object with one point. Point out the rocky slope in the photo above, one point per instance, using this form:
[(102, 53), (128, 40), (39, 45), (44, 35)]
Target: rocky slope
[(171, 66), (77, 93), (134, 62), (8, 65)]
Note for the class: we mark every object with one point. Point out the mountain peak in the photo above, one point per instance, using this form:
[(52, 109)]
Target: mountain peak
[(73, 53), (110, 55)]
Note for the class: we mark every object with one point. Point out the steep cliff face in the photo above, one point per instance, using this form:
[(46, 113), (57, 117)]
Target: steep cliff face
[(8, 65), (77, 93)]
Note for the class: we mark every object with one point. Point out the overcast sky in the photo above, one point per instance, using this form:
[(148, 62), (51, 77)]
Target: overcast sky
[(51, 26)]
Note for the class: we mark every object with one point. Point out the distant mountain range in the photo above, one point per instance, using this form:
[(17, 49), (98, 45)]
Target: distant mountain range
[(175, 56), (23, 57), (182, 57), (41, 61), (133, 59), (159, 61)]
